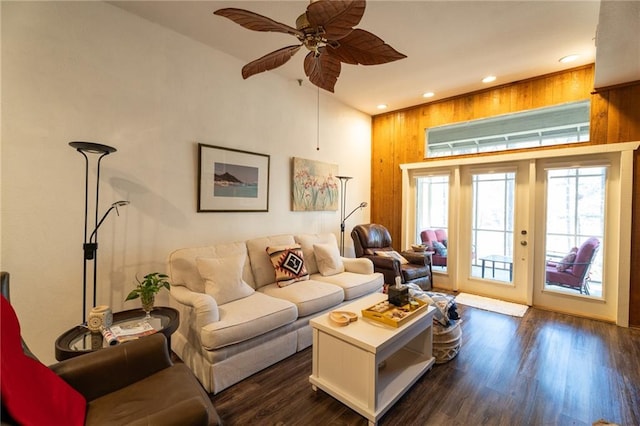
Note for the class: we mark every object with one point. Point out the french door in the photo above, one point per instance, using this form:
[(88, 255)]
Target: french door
[(494, 229), (579, 233), (513, 223)]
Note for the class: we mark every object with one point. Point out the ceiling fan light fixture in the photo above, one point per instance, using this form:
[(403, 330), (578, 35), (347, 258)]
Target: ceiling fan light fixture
[(327, 30)]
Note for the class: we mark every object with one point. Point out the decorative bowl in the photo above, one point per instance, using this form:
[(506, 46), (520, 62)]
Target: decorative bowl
[(418, 247)]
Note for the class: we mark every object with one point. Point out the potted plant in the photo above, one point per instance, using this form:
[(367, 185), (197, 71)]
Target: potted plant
[(147, 289)]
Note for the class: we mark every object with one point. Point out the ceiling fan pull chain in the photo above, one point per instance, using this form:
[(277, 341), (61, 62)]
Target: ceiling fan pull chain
[(318, 121)]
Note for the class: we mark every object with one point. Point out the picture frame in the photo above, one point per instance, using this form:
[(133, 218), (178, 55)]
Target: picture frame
[(314, 185), (232, 180)]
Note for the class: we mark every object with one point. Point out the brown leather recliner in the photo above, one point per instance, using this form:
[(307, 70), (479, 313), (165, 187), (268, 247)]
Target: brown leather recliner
[(134, 383), (371, 238)]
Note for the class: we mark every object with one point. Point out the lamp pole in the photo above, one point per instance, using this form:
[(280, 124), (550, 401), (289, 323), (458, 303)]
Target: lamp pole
[(343, 202), (90, 246)]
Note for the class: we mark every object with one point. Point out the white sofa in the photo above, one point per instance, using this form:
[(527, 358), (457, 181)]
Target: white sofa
[(226, 341)]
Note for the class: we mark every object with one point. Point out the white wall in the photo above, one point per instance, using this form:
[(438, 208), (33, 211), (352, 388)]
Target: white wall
[(91, 72)]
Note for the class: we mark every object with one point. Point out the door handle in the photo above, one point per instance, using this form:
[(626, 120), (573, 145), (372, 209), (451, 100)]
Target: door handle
[(523, 243)]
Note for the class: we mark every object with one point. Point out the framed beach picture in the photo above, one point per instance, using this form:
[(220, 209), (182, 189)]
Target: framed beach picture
[(315, 186), (231, 180)]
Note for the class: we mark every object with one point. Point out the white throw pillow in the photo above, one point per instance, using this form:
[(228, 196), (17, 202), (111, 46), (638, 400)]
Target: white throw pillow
[(328, 259), (223, 278)]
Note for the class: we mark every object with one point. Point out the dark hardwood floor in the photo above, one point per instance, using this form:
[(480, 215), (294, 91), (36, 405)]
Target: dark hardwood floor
[(542, 369)]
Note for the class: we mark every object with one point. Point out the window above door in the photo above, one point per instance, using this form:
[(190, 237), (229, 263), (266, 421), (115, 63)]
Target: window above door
[(559, 124)]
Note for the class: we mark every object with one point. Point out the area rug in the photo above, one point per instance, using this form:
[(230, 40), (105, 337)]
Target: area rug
[(494, 305)]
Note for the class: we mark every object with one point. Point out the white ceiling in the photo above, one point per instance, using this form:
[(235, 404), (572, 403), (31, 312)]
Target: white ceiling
[(450, 45)]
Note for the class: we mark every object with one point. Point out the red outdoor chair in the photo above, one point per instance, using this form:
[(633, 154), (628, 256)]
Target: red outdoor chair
[(428, 237), (576, 275)]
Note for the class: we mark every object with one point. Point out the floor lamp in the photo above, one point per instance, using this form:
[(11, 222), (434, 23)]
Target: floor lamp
[(343, 218), (90, 246)]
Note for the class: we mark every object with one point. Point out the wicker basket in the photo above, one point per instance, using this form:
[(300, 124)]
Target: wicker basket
[(446, 341)]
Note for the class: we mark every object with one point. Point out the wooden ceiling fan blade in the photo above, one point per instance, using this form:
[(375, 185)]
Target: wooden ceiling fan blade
[(336, 17), (256, 22), (322, 69), (362, 47), (269, 61)]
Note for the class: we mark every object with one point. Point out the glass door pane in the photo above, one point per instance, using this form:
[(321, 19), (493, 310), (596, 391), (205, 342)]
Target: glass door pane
[(432, 213), (492, 226), (575, 223)]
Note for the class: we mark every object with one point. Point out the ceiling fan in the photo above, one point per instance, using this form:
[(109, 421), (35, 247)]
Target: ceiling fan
[(326, 30)]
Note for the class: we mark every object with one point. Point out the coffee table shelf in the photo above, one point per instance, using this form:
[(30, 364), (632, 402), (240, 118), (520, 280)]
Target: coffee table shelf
[(368, 365)]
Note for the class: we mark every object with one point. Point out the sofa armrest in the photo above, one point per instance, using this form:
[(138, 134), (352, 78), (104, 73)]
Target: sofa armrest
[(204, 306), (388, 263), (415, 258), (358, 265), (104, 371)]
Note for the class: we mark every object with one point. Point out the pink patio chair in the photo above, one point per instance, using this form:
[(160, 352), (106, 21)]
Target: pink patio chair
[(428, 237), (574, 275)]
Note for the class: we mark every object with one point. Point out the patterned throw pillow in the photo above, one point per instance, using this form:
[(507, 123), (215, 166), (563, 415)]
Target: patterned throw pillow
[(439, 248), (567, 261), (393, 254), (288, 263)]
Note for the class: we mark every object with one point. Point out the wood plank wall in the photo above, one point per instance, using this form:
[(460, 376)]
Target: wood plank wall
[(398, 137), (615, 117)]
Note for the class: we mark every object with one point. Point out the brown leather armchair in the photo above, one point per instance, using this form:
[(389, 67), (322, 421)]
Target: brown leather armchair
[(371, 238), (134, 383)]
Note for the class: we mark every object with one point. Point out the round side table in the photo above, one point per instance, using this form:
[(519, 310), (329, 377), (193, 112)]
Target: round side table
[(79, 340)]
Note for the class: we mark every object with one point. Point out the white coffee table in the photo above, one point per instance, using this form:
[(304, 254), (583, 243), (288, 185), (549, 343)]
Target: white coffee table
[(346, 359)]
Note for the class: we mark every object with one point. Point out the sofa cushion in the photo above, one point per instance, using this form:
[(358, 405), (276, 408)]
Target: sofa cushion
[(288, 262), (223, 278), (567, 261), (143, 401), (261, 265), (246, 318), (353, 284), (309, 297), (307, 241), (328, 259), (439, 248), (184, 272)]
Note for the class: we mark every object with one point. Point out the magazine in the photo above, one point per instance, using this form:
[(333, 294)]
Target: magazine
[(132, 330)]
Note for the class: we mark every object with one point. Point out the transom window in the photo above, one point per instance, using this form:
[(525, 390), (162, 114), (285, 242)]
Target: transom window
[(560, 124)]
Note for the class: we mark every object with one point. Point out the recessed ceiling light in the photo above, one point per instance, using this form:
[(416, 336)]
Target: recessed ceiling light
[(489, 79), (428, 94), (382, 106), (568, 58)]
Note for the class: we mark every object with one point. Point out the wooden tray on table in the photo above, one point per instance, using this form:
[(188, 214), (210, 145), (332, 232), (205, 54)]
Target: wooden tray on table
[(392, 315)]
